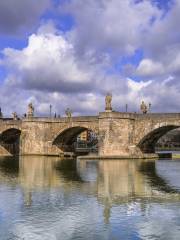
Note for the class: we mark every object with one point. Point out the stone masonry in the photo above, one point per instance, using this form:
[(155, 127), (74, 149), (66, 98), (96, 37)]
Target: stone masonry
[(126, 135)]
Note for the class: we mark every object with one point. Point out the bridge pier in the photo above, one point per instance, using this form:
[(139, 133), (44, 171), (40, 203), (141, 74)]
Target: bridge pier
[(36, 138), (117, 136)]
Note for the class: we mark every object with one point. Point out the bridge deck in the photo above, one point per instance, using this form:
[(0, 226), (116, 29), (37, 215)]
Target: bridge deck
[(94, 118), (48, 119)]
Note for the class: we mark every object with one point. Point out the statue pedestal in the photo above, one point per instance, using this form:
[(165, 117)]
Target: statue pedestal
[(30, 116), (108, 110)]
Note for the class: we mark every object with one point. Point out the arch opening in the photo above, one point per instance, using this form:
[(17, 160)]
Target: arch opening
[(170, 141), (149, 142), (10, 141), (78, 140)]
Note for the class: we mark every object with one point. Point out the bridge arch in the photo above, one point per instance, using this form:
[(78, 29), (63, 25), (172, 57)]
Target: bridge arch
[(10, 141), (148, 142), (66, 138)]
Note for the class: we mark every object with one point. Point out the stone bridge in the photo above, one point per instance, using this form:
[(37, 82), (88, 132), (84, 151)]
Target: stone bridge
[(126, 135)]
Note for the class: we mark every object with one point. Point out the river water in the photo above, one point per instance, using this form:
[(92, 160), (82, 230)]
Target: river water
[(43, 198)]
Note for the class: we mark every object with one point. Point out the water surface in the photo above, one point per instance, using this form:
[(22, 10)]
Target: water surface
[(44, 198)]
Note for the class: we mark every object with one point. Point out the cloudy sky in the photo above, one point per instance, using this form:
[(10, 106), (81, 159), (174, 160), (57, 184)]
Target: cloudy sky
[(70, 53)]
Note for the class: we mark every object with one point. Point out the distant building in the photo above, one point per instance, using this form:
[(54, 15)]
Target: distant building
[(86, 136), (83, 136)]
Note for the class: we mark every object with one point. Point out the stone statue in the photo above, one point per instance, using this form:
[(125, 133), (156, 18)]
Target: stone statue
[(30, 112), (68, 113), (143, 107), (15, 116), (108, 101)]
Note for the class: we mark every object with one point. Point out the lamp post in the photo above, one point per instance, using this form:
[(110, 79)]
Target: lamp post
[(50, 110), (150, 105), (126, 107)]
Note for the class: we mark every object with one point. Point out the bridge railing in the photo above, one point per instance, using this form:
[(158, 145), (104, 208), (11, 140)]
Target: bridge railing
[(61, 119)]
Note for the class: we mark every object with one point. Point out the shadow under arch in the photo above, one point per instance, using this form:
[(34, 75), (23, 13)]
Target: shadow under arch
[(66, 139), (147, 144), (10, 140)]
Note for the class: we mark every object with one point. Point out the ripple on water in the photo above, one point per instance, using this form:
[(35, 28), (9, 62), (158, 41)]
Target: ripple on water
[(47, 199)]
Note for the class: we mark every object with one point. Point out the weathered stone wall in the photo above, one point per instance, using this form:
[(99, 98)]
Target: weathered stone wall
[(34, 138), (38, 135), (150, 128), (115, 134), (119, 134), (144, 124)]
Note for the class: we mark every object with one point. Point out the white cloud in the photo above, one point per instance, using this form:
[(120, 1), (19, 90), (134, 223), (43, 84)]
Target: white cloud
[(174, 65), (71, 69), (114, 25), (163, 36), (49, 63), (21, 16), (147, 68), (47, 71), (137, 86)]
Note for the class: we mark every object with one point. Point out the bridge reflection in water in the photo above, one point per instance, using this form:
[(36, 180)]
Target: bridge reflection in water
[(113, 181), (51, 191)]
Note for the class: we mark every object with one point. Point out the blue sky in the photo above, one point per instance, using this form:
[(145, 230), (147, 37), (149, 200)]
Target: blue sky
[(74, 52)]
